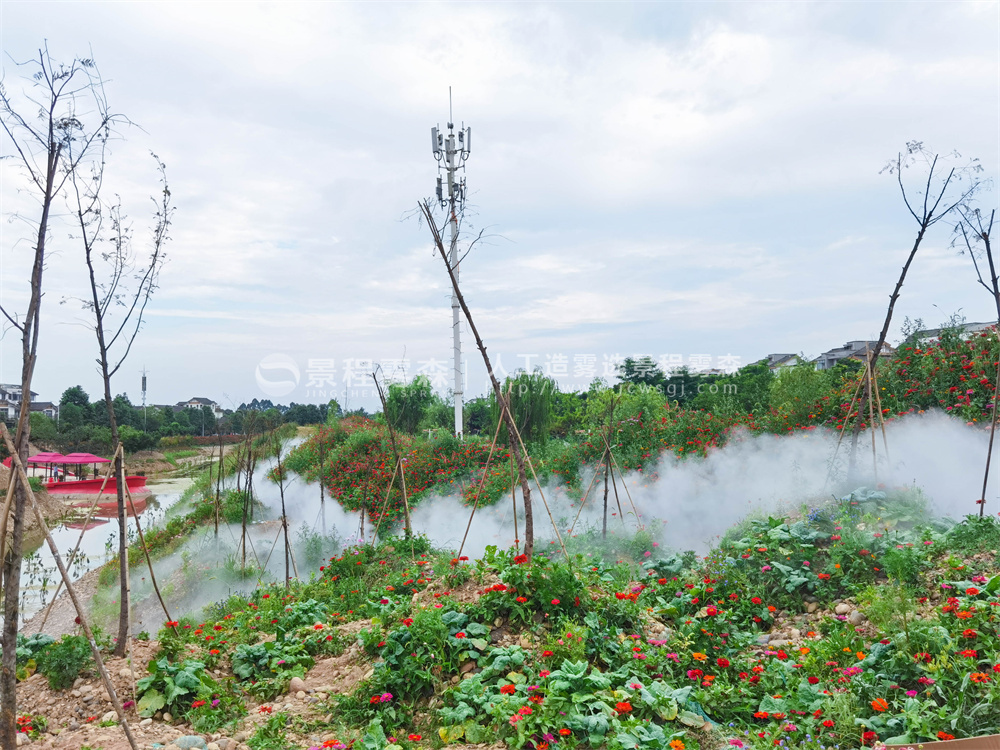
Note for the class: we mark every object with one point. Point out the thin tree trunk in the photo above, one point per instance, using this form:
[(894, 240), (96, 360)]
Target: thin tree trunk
[(604, 525), (529, 525), (11, 578)]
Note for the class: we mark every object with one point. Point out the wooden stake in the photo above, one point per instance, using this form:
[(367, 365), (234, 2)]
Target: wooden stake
[(98, 661), (479, 492)]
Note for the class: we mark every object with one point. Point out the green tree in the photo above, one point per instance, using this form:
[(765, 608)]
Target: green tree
[(43, 427), (75, 395), (477, 416), (407, 403), (333, 411), (747, 390), (531, 397)]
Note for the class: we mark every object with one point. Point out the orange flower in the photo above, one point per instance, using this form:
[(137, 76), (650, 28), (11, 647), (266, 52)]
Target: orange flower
[(698, 656), (676, 745), (879, 704), (979, 677)]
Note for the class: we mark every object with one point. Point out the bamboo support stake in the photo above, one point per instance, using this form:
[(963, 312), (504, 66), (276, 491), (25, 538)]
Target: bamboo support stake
[(586, 494), (989, 449), (385, 504), (871, 422), (482, 482), (76, 547), (881, 419), (513, 498), (840, 439), (628, 494), (531, 465), (98, 661), (145, 552)]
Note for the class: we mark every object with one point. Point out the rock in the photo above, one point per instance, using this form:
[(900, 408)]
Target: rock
[(856, 618), (467, 667), (454, 680), (762, 640), (89, 698), (110, 716), (214, 746), (76, 694), (288, 707), (86, 689), (225, 743), (468, 675), (810, 599), (498, 622), (525, 643), (796, 634), (22, 739), (125, 672), (145, 722), (297, 685), (812, 607), (300, 694), (190, 742), (73, 726), (842, 609), (778, 643), (171, 746), (168, 717), (77, 682)]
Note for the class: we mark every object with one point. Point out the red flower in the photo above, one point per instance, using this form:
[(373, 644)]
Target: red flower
[(828, 723), (623, 707), (945, 736), (722, 662), (507, 689), (414, 737), (813, 680)]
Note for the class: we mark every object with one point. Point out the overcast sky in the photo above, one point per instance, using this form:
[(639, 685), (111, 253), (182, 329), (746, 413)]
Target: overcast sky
[(699, 180)]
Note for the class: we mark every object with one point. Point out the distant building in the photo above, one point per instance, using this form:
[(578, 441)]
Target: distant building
[(857, 350), (198, 403), (777, 362), (47, 408), (10, 400), (965, 329)]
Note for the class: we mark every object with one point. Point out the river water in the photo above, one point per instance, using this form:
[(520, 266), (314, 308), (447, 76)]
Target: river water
[(98, 543)]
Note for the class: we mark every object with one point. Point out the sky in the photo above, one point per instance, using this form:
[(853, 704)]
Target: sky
[(698, 182)]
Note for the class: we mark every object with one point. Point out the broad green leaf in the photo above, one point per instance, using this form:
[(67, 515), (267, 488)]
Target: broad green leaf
[(151, 702), (450, 734), (690, 719)]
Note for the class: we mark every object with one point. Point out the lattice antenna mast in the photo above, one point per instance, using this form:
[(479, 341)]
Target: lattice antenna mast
[(451, 150), (144, 373)]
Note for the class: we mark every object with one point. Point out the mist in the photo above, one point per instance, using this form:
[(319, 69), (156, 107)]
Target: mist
[(685, 503)]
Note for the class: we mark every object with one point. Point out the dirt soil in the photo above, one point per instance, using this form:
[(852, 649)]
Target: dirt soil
[(74, 716)]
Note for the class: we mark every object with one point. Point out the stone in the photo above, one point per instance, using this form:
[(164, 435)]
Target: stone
[(498, 622), (842, 609), (214, 746), (85, 689), (73, 726), (171, 746), (225, 743), (467, 667), (301, 694), (241, 737), (110, 716), (77, 682), (22, 739), (796, 634), (190, 742), (762, 640), (76, 693), (812, 607), (89, 698), (145, 722), (778, 643), (297, 684), (168, 717), (125, 672), (525, 643), (856, 618), (454, 680)]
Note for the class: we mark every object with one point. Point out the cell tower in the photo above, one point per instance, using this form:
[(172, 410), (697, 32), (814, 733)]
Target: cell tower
[(451, 151), (143, 398)]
